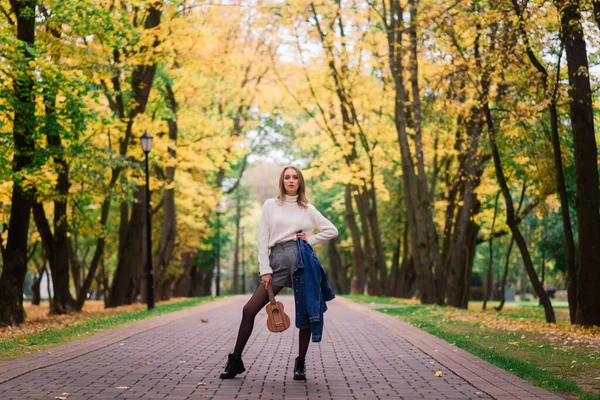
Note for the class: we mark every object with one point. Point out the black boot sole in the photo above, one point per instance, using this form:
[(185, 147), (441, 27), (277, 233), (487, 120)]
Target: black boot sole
[(299, 377), (230, 376)]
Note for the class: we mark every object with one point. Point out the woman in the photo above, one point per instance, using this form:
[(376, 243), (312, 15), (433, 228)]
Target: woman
[(280, 221)]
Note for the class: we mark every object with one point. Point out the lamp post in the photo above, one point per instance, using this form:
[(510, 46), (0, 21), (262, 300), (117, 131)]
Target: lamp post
[(146, 147), (219, 210), (243, 263)]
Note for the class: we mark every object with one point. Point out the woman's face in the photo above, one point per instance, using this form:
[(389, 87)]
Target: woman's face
[(291, 182)]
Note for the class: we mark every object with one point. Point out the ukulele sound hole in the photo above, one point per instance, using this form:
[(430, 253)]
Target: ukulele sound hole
[(275, 311)]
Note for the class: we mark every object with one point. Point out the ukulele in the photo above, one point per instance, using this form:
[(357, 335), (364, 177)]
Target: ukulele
[(278, 321)]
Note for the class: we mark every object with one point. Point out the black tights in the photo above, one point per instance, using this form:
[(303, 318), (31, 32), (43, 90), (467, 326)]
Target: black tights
[(259, 299)]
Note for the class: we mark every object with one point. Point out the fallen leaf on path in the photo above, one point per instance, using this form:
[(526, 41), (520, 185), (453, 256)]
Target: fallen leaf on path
[(65, 394), (122, 387), (203, 320), (232, 338), (329, 341), (399, 355), (62, 382), (439, 373), (59, 398), (201, 384)]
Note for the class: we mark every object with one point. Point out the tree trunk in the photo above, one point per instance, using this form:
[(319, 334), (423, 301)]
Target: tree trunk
[(543, 273), (380, 260), (488, 283), (35, 286), (596, 5), (57, 243), (15, 254), (362, 204), (182, 284), (99, 293), (142, 79), (565, 214), (469, 256), (511, 221), (166, 288), (201, 276), (458, 284), (350, 125), (123, 223), (126, 281), (358, 258), (169, 225), (236, 250), (505, 275), (424, 202), (408, 279), (586, 164), (56, 251), (392, 288), (558, 165), (416, 221), (337, 272)]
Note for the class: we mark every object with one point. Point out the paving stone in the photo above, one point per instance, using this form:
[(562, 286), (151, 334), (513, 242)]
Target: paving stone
[(176, 356)]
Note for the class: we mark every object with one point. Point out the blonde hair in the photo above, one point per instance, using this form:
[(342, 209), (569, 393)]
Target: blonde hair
[(302, 200)]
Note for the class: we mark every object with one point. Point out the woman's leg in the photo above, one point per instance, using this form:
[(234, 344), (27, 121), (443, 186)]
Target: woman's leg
[(304, 340), (259, 299), (300, 363)]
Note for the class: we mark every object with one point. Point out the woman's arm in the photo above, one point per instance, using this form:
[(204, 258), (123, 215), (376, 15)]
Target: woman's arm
[(327, 230), (263, 239)]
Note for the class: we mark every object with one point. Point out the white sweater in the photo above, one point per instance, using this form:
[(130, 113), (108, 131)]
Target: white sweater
[(280, 222)]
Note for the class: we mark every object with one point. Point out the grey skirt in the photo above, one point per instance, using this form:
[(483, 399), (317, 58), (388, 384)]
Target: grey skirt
[(283, 260)]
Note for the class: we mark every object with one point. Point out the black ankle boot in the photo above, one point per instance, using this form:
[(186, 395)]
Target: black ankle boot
[(234, 366), (299, 369)]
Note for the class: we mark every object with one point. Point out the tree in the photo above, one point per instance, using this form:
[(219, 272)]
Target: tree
[(586, 163), (15, 254)]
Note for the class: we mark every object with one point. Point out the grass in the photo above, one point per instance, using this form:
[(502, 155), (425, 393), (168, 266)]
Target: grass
[(42, 332), (557, 357)]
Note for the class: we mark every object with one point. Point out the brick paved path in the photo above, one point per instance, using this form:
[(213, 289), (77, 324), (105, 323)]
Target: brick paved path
[(364, 355)]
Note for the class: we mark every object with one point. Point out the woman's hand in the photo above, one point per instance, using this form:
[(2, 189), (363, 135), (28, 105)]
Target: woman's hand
[(266, 279), (302, 235)]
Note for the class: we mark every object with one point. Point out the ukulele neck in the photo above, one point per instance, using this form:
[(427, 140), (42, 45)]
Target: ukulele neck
[(271, 295)]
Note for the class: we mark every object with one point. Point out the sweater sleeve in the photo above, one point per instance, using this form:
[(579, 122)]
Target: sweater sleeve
[(327, 230), (263, 239)]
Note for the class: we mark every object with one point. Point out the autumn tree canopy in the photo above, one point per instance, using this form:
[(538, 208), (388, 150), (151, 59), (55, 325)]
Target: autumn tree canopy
[(439, 136)]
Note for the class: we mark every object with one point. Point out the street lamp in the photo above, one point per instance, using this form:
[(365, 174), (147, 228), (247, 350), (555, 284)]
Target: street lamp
[(219, 209), (146, 147), (243, 263)]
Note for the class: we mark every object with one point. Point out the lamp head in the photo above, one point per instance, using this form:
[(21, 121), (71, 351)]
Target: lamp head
[(146, 140)]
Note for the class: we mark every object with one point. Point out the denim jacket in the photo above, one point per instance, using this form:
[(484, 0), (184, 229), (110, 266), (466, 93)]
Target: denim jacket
[(311, 291)]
